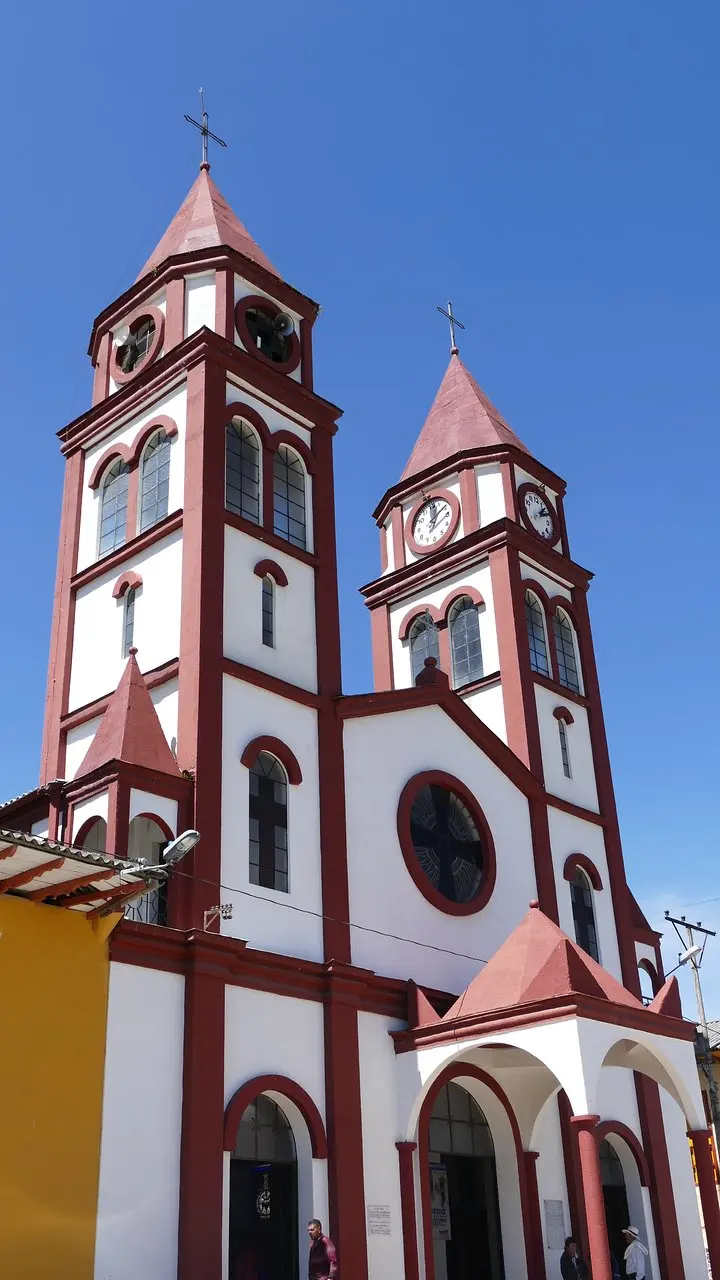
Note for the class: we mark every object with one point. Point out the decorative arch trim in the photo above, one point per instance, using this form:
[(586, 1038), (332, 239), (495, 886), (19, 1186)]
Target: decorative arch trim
[(416, 612), (161, 423), (110, 455), (576, 860), (154, 314), (261, 303), (270, 569), (278, 438), (566, 607), (456, 1071), (648, 967), (160, 822), (459, 593), (429, 892), (607, 1127), (249, 1091), (562, 713), (276, 748), (87, 825), (529, 584), (238, 409), (126, 582)]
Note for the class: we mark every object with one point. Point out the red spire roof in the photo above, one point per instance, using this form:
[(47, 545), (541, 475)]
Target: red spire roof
[(130, 730), (461, 417), (205, 221), (537, 962)]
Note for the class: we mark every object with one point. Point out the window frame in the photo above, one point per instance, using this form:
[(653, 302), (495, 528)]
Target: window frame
[(564, 748), (256, 770), (421, 625), (464, 604), (281, 454), (581, 882), (163, 440), (121, 467), (407, 846), (267, 597), (237, 428), (128, 620), (532, 602), (564, 628)]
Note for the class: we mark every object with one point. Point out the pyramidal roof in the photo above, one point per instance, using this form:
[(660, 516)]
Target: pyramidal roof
[(461, 417), (205, 221), (130, 730), (537, 962)]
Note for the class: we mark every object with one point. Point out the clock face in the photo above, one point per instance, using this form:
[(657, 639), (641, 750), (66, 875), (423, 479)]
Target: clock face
[(432, 522), (540, 514)]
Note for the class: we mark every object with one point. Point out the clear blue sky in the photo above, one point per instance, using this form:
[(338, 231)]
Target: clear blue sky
[(551, 167)]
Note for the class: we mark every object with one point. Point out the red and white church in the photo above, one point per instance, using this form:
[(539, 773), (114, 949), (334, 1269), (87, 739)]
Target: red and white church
[(421, 1020)]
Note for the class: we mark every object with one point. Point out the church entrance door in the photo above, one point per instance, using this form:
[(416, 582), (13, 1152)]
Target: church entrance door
[(263, 1241), (467, 1239), (617, 1214)]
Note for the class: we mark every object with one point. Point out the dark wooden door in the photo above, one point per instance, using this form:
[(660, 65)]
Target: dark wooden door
[(263, 1221)]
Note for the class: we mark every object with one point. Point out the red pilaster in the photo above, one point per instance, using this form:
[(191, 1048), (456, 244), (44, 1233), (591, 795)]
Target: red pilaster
[(578, 1222), (517, 686), (407, 1204), (225, 302), (701, 1140), (469, 501), (200, 1243), (344, 1126), (533, 1205), (102, 369), (599, 1251), (381, 647), (61, 640), (662, 1196), (398, 538), (174, 312)]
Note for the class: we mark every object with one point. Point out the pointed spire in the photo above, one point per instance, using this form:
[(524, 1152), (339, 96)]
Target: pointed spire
[(130, 730), (205, 221), (667, 1001), (421, 1013), (461, 417)]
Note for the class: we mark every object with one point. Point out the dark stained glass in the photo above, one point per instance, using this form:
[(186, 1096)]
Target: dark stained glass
[(447, 843)]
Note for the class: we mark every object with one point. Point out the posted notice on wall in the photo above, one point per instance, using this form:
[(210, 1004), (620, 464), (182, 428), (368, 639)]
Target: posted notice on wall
[(379, 1222), (554, 1224), (440, 1202)]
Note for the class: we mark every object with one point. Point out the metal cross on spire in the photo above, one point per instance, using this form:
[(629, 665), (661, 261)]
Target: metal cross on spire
[(205, 132), (454, 324)]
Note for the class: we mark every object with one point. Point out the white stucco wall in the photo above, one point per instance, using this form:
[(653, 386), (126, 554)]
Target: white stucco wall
[(581, 788), (569, 834), (98, 661), (142, 1112), (476, 576), (78, 744), (173, 406), (550, 1169), (92, 807), (686, 1200), (553, 586), (289, 923), (199, 302), (380, 1133), (491, 499), (488, 706), (294, 655), (381, 754)]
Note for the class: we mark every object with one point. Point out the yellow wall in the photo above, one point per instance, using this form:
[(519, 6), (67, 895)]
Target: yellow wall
[(53, 1003)]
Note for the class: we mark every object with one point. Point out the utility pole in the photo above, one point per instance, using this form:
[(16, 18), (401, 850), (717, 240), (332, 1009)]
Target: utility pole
[(693, 955)]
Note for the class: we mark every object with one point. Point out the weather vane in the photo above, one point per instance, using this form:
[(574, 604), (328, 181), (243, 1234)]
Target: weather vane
[(454, 324), (205, 132)]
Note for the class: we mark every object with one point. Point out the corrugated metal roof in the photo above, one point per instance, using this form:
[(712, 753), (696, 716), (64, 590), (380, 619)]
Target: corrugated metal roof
[(34, 791), (59, 874)]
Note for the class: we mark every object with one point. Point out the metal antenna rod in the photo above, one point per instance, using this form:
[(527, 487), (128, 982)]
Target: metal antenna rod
[(205, 131), (454, 324)]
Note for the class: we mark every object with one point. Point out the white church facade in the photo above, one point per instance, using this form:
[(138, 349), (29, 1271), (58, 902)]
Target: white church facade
[(422, 1020)]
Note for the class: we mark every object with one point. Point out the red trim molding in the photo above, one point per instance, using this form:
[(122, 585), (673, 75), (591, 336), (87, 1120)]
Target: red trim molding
[(575, 860), (161, 423), (648, 967), (256, 301), (457, 594), (274, 747), (128, 581), (249, 1091), (454, 505), (416, 612), (562, 713), (140, 313), (428, 890), (407, 1208), (607, 1127), (270, 569)]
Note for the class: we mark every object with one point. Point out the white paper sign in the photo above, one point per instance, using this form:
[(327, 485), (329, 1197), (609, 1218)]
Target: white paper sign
[(554, 1224), (440, 1202), (378, 1220)]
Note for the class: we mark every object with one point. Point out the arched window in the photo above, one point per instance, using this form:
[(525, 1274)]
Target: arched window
[(458, 1126), (568, 673), (564, 748), (128, 621), (423, 643), (242, 471), (467, 663), (113, 508), (581, 896), (155, 481), (264, 1134), (268, 612), (289, 497), (95, 838), (268, 824), (146, 839), (535, 620)]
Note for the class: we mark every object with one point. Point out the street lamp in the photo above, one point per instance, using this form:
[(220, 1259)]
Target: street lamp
[(172, 853)]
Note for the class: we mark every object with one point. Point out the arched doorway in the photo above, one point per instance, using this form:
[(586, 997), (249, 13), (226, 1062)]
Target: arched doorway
[(617, 1214), (148, 840), (467, 1237), (263, 1196)]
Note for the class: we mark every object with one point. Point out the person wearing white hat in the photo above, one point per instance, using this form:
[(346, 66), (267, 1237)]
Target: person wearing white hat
[(635, 1255)]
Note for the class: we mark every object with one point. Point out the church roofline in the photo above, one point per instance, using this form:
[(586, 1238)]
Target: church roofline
[(486, 453)]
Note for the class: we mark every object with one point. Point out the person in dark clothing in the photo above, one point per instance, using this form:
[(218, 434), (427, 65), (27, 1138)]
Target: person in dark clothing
[(322, 1263), (572, 1266)]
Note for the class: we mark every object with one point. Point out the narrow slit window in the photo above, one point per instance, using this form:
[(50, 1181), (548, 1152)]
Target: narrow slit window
[(268, 612), (242, 471), (155, 483), (113, 508), (289, 518), (568, 673), (423, 643), (268, 824), (535, 622), (564, 748), (467, 662), (581, 895), (129, 621)]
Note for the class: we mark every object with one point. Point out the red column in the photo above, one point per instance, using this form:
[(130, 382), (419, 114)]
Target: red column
[(593, 1196), (407, 1203), (708, 1195), (533, 1204)]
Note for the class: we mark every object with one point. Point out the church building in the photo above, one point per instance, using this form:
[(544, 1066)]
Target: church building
[(397, 984)]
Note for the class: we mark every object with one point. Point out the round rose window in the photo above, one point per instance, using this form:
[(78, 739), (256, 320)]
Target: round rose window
[(137, 344), (447, 843)]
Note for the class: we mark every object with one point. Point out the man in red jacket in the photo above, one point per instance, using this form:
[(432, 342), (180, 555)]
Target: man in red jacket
[(322, 1264)]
